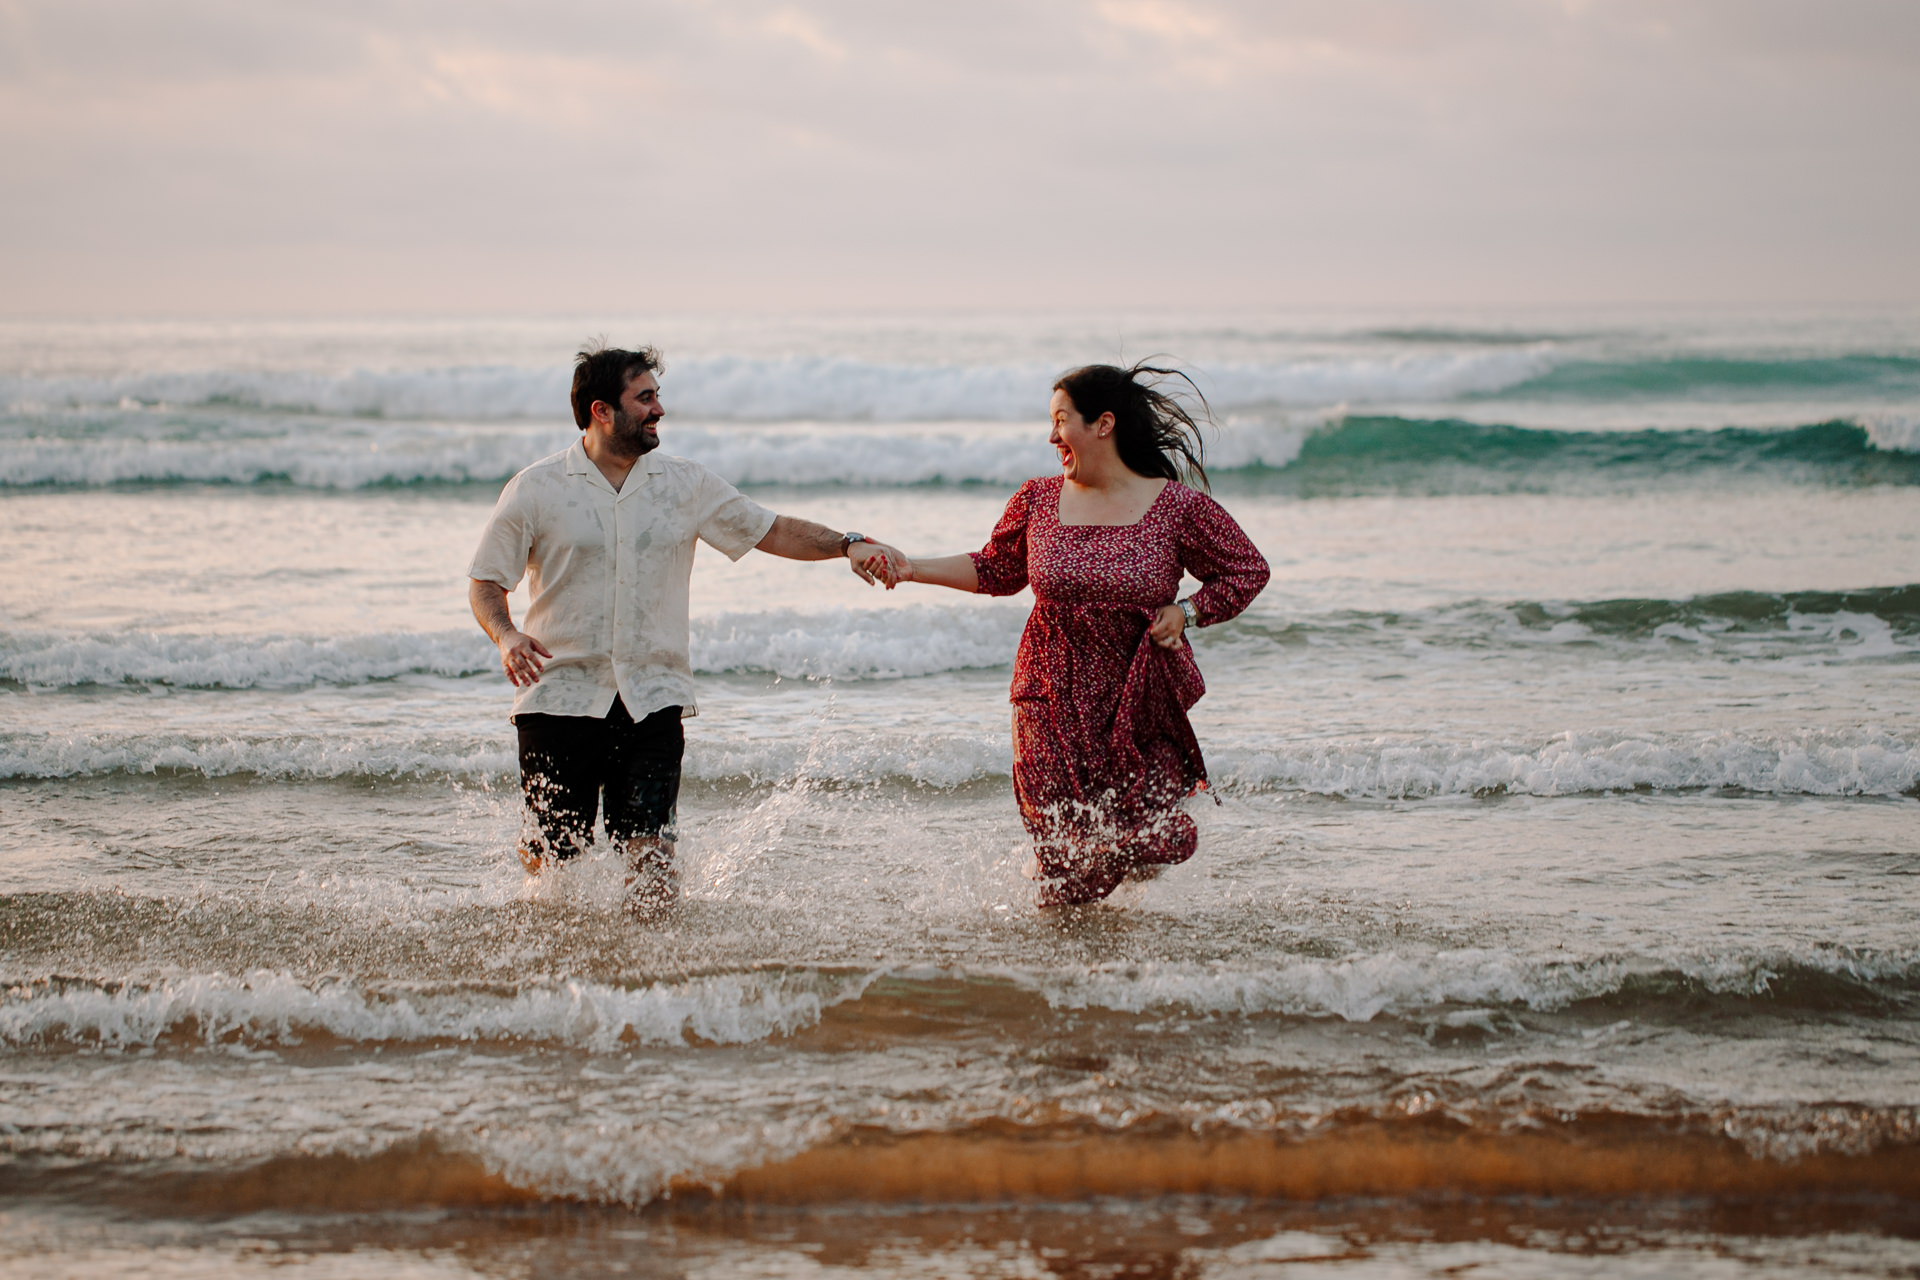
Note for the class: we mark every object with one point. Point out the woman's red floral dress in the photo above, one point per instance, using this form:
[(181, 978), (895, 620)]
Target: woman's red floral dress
[(1102, 750)]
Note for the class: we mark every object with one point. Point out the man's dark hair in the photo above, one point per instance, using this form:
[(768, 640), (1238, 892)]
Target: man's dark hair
[(602, 373)]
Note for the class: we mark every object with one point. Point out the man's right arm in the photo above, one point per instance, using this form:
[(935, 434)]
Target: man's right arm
[(521, 656)]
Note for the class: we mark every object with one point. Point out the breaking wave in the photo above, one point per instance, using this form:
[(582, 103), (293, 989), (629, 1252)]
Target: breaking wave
[(1863, 762), (276, 1008), (1305, 451), (1848, 763), (926, 639), (740, 389), (848, 644)]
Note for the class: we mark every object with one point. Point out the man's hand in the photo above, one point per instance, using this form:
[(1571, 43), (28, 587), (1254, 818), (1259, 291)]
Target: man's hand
[(522, 657), (876, 562), (1167, 625)]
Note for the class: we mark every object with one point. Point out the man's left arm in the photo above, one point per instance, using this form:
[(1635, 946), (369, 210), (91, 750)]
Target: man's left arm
[(797, 539)]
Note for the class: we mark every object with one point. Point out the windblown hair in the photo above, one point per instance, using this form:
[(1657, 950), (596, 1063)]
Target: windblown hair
[(1155, 433), (602, 373)]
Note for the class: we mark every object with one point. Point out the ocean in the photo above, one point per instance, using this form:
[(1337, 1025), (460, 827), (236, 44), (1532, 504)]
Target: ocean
[(1554, 912)]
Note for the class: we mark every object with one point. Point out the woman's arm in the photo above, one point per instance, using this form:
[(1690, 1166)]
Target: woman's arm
[(957, 572), (1000, 569), (1214, 549)]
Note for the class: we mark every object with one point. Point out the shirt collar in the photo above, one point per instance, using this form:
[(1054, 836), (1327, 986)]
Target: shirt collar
[(579, 464)]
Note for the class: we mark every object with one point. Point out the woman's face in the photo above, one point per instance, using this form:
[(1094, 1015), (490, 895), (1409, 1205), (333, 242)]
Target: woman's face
[(1077, 439)]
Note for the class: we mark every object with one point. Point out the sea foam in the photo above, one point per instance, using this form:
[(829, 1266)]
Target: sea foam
[(1830, 763), (266, 1008), (845, 644), (1334, 449), (63, 659), (1359, 988), (1857, 762), (913, 640), (1893, 433), (277, 1008), (735, 388), (358, 455)]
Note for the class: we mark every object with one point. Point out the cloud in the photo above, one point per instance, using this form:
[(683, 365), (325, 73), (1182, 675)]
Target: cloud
[(208, 155)]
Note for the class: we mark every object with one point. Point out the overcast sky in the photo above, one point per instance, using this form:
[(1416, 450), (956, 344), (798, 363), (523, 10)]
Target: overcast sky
[(341, 156)]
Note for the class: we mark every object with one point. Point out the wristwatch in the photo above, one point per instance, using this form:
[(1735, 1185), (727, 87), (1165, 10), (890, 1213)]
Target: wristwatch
[(1193, 614), (848, 539)]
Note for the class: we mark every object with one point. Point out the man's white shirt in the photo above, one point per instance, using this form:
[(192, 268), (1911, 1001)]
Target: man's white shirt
[(609, 573)]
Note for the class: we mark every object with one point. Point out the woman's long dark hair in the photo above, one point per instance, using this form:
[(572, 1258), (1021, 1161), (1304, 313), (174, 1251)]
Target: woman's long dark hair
[(1153, 430)]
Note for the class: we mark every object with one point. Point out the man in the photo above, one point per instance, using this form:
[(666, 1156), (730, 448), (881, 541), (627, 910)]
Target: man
[(606, 531)]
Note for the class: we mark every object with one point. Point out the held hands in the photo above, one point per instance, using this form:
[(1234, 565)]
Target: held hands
[(522, 658), (1168, 624), (877, 562)]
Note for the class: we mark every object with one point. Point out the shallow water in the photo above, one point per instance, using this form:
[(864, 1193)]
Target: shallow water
[(1561, 861)]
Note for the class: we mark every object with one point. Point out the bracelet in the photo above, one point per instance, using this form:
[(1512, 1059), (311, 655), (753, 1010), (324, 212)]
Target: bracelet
[(1192, 614)]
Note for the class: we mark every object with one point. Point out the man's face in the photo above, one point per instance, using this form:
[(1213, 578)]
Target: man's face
[(635, 421)]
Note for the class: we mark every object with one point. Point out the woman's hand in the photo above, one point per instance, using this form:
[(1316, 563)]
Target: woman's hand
[(1168, 623), (876, 562)]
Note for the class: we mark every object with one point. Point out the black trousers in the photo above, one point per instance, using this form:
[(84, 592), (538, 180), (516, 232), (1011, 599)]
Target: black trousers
[(566, 762)]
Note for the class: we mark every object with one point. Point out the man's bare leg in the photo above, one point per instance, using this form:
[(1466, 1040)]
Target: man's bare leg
[(653, 882)]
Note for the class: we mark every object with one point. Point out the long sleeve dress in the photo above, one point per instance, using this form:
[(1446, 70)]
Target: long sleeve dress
[(1102, 749)]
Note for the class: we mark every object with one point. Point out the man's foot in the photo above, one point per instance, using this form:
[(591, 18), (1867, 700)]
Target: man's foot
[(531, 860), (651, 894), (653, 883)]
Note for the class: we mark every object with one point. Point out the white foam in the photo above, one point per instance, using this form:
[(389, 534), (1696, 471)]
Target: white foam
[(736, 388), (1850, 762), (60, 659), (914, 640), (1363, 987), (899, 454), (854, 755), (1251, 442), (1356, 989), (482, 392), (288, 755), (850, 755), (1864, 762), (326, 456), (353, 455), (1425, 375), (276, 1008), (1892, 432), (844, 644)]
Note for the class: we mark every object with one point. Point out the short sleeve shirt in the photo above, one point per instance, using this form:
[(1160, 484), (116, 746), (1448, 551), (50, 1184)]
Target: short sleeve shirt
[(608, 574)]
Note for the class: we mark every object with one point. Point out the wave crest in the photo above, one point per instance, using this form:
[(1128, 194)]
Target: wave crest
[(277, 1008), (1851, 763), (1845, 763), (743, 389)]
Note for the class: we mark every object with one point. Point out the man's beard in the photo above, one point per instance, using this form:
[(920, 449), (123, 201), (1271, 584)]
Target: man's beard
[(630, 434)]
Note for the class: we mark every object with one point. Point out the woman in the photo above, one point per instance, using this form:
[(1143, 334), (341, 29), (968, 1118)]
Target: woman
[(1102, 750)]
